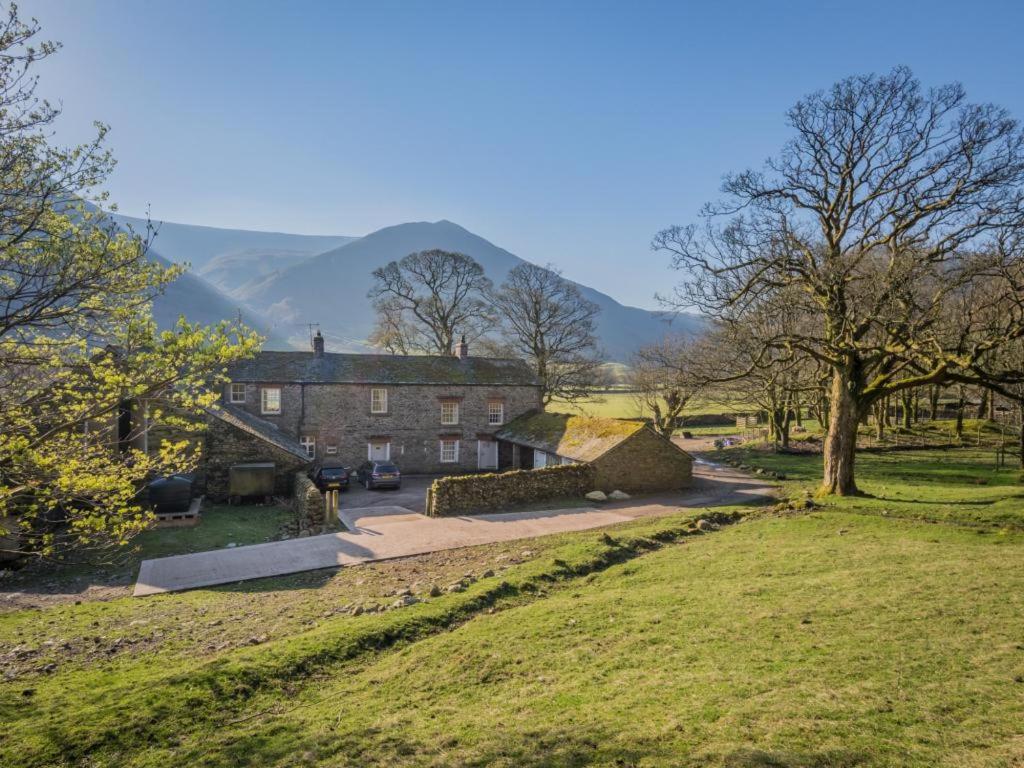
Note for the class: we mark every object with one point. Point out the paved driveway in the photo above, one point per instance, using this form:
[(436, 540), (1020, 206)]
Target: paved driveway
[(380, 531), (412, 495)]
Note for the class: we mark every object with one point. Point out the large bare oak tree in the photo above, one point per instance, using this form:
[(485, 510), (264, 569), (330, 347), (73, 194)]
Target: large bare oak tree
[(546, 320), (426, 300), (880, 217)]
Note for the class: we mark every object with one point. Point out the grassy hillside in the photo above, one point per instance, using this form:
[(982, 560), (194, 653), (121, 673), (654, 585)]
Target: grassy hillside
[(877, 631)]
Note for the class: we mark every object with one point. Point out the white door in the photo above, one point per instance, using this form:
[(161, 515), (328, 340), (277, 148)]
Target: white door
[(487, 454), (540, 459), (379, 451)]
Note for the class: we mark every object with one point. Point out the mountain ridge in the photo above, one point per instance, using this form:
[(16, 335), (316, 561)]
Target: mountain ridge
[(278, 281)]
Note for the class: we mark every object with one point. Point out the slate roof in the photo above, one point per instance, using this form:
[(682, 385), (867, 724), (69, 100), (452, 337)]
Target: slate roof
[(257, 427), (344, 368), (581, 438)]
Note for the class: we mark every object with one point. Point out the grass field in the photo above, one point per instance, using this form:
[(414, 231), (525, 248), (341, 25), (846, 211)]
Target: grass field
[(624, 405), (886, 630)]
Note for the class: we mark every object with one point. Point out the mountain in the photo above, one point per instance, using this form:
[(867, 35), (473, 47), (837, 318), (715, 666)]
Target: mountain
[(220, 258), (198, 246), (282, 282), (331, 289)]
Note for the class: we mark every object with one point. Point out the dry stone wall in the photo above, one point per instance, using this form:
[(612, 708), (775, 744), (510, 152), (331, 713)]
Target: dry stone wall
[(464, 494)]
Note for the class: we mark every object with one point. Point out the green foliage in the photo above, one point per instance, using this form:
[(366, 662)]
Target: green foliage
[(78, 343)]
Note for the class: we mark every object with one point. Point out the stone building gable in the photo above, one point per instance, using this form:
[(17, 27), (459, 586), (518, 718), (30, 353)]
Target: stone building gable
[(234, 437), (645, 462)]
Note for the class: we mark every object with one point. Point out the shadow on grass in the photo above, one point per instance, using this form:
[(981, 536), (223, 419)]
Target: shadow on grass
[(538, 747), (756, 758)]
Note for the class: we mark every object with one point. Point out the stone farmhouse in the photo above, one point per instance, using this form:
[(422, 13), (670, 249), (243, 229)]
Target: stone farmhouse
[(428, 414)]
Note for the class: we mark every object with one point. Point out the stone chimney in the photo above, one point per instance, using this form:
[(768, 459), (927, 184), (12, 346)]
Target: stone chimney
[(462, 349), (318, 344)]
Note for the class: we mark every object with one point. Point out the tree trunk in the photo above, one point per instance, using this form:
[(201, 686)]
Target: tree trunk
[(880, 420), (787, 420), (961, 405), (908, 401), (934, 402), (983, 405), (1022, 446), (841, 441)]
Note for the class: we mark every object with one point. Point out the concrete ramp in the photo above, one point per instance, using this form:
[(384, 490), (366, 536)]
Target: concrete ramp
[(381, 533)]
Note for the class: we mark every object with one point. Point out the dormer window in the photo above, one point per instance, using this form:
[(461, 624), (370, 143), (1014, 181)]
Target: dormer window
[(270, 401), (237, 393)]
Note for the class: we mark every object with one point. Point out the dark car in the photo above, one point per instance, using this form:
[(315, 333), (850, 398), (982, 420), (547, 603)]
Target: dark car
[(379, 474), (329, 476)]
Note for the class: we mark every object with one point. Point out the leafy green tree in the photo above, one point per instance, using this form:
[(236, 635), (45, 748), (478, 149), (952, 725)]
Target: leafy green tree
[(78, 344)]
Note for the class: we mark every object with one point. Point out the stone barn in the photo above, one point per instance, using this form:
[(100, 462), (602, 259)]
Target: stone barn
[(627, 455), (234, 436)]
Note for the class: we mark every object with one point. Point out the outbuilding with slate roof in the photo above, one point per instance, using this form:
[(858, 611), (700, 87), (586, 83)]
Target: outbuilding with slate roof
[(627, 455), (235, 437)]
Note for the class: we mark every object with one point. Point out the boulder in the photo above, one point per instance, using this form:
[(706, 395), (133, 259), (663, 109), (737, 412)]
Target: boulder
[(618, 495), (404, 601), (596, 496), (707, 525)]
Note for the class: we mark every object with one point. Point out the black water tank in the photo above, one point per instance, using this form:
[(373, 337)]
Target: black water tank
[(171, 494)]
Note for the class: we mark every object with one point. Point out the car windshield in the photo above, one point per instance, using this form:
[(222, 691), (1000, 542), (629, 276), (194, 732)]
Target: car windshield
[(387, 468), (333, 472)]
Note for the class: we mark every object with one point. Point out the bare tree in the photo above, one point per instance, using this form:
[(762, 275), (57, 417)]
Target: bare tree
[(546, 320), (879, 217), (665, 380), (427, 300)]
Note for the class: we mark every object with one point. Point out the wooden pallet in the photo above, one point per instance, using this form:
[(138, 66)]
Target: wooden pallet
[(187, 519)]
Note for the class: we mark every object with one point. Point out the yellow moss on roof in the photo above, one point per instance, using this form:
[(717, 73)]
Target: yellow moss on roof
[(582, 438)]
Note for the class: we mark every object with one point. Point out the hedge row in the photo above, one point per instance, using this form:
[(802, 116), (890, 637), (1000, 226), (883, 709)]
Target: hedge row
[(490, 492)]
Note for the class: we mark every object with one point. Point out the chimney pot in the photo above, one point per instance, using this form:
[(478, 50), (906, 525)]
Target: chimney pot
[(318, 344), (462, 348)]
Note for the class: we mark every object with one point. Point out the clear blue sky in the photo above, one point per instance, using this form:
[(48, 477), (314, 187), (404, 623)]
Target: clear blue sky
[(565, 132)]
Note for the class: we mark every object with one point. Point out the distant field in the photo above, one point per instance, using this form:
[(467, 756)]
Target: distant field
[(624, 405)]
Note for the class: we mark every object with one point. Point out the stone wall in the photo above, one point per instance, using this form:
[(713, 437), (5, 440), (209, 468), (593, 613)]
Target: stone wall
[(645, 463), (491, 492), (227, 445), (308, 503), (339, 415)]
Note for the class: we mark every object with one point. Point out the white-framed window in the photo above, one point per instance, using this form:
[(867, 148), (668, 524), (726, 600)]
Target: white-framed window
[(495, 413), (309, 443), (238, 393), (378, 400), (449, 411), (449, 450), (270, 400)]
